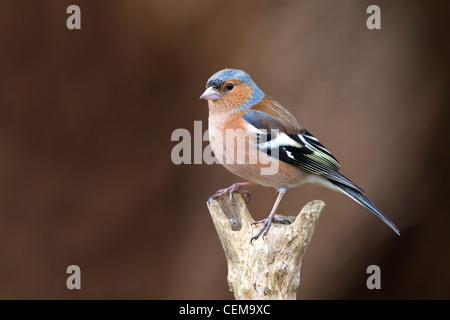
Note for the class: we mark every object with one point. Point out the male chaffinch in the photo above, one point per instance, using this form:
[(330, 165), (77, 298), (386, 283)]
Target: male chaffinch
[(273, 139)]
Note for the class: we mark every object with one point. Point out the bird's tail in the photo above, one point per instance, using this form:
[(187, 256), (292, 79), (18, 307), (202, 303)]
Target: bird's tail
[(362, 200)]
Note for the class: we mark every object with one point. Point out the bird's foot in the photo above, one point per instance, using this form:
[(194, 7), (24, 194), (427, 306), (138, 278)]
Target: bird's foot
[(267, 223), (237, 187)]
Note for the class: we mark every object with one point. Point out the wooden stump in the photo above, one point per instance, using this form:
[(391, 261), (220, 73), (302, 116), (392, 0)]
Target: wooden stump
[(266, 268)]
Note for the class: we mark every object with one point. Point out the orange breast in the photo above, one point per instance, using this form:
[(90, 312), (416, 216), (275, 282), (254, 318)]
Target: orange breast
[(234, 145)]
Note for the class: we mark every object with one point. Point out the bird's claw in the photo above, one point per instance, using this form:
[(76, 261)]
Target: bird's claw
[(263, 231), (230, 190), (265, 228), (243, 192)]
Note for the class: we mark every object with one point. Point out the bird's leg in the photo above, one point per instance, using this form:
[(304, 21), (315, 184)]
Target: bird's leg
[(237, 187), (268, 221), (274, 220)]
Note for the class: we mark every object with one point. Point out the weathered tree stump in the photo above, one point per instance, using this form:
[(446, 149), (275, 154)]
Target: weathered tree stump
[(266, 268)]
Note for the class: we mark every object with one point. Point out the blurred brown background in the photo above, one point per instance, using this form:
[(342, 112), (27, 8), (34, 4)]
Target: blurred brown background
[(86, 118)]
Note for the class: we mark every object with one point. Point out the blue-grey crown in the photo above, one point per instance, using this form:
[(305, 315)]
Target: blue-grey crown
[(222, 76)]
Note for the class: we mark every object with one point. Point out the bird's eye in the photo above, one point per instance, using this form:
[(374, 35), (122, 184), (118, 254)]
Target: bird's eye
[(230, 86)]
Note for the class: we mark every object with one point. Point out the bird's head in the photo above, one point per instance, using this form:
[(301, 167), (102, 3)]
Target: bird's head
[(233, 89)]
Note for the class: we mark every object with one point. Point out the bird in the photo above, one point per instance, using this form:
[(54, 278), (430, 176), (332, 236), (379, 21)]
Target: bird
[(271, 137)]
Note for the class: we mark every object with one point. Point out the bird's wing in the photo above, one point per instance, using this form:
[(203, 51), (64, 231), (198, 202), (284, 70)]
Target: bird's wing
[(298, 147)]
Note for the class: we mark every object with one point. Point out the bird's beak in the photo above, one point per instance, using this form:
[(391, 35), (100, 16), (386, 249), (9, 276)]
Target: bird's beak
[(210, 94)]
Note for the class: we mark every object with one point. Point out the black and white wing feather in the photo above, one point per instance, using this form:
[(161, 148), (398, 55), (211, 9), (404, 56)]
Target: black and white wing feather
[(300, 149)]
